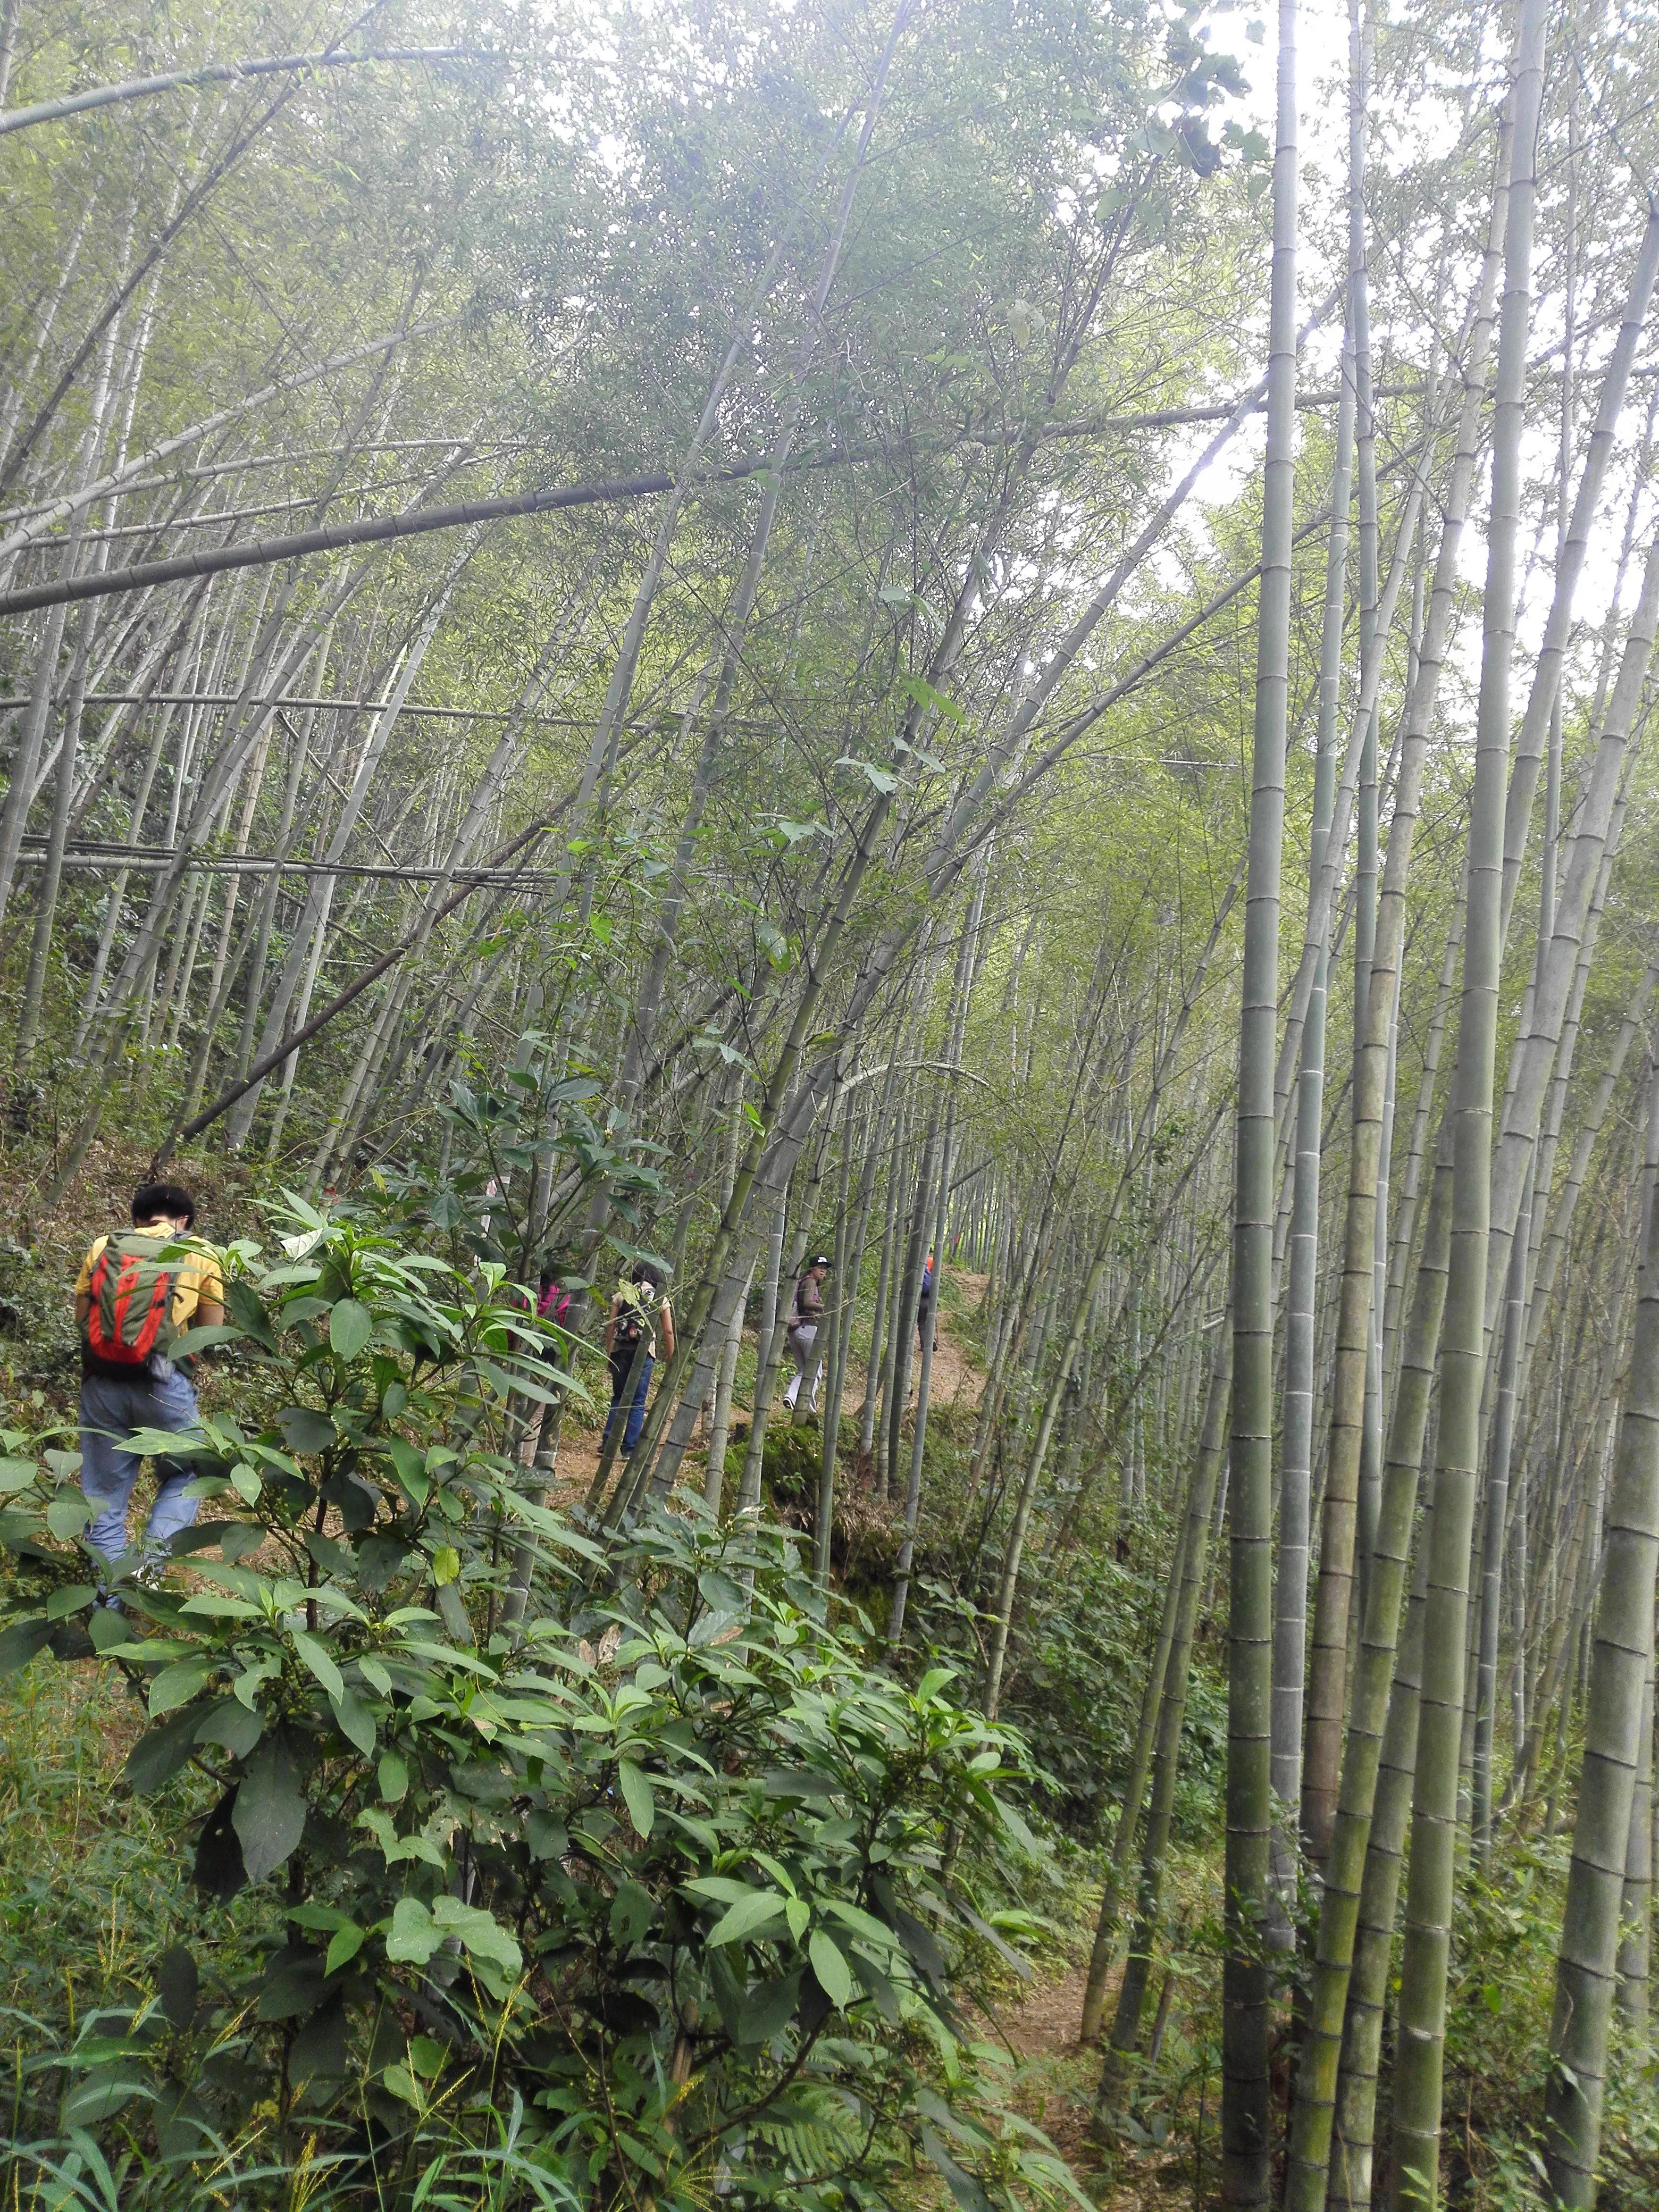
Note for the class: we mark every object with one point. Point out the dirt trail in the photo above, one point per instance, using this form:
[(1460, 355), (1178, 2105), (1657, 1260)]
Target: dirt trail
[(956, 1380), (1055, 2084), (1049, 2018), (1057, 2073)]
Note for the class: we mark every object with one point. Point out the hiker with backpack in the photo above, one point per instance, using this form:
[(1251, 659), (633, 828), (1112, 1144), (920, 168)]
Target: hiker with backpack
[(554, 1300), (804, 1317), (638, 1311), (134, 1297)]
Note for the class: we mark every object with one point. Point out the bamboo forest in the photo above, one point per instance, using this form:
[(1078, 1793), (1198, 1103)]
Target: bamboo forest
[(828, 1105)]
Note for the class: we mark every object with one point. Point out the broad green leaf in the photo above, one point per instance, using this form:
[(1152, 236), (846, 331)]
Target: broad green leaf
[(343, 1947), (312, 1915), (67, 1515), (863, 1924), (924, 696), (315, 1653), (829, 1965), (20, 1643), (749, 1913), (162, 1751), (304, 1429), (231, 1725), (177, 1685), (396, 1848), (354, 1720), (969, 2193), (636, 1795), (190, 1341), (209, 1605), (413, 1937), (401, 2082), (350, 1326), (254, 1673), (269, 1812), (100, 2095), (883, 779), (479, 1934)]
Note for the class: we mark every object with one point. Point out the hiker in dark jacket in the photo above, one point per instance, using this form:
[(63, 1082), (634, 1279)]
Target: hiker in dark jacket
[(925, 1306), (639, 1313), (134, 1297)]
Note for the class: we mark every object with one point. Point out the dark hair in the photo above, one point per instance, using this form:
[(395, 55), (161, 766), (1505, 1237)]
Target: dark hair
[(151, 1199), (645, 1272)]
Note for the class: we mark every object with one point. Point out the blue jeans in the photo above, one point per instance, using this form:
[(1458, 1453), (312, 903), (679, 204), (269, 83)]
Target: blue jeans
[(112, 1406), (635, 1420)]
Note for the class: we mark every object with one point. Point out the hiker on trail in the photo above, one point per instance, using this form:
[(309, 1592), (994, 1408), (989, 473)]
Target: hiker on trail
[(805, 1315), (925, 1304), (638, 1311), (135, 1295)]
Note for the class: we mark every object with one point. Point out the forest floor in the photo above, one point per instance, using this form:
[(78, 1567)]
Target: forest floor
[(1052, 2079), (1055, 2079)]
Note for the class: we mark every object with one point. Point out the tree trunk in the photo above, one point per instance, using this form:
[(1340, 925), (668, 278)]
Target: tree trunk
[(1245, 2139), (1418, 2082), (1619, 1688)]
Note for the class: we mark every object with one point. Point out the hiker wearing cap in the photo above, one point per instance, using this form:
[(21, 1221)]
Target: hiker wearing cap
[(803, 1318), (134, 1297)]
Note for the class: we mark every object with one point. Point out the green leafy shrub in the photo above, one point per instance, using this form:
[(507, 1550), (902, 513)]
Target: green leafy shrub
[(1078, 1661), (593, 1875)]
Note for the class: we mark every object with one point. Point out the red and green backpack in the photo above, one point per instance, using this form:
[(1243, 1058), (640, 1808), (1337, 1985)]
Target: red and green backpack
[(131, 1289)]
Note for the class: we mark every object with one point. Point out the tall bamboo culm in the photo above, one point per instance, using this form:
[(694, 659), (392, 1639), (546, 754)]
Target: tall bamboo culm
[(1431, 1868), (1245, 2115)]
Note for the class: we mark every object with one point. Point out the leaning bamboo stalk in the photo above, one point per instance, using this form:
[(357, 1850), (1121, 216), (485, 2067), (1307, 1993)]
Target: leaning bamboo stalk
[(1621, 1669), (1536, 1050), (1246, 2145), (1296, 1467), (146, 88), (1431, 1878), (1636, 1912), (1172, 1709), (1376, 1016), (43, 521), (1164, 1698), (1586, 512), (1313, 2110)]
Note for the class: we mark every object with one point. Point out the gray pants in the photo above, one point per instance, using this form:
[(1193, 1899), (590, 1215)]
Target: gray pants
[(803, 1338)]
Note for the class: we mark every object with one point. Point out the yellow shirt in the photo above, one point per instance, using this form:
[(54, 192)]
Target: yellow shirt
[(196, 1281)]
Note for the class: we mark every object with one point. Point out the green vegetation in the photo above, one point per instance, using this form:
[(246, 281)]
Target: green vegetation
[(997, 656)]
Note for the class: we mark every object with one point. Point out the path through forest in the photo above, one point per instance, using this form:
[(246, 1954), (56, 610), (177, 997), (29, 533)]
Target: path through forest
[(956, 1380)]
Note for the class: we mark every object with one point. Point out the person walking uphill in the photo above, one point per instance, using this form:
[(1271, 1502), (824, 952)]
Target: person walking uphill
[(925, 1305), (134, 1297), (804, 1320), (637, 1312)]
